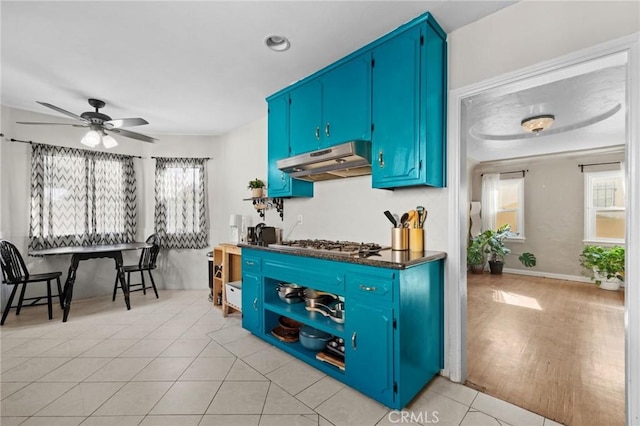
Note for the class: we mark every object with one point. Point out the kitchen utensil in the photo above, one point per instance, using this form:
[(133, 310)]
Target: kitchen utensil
[(397, 219), (314, 339), (403, 220), (424, 218), (289, 324), (290, 293), (320, 300), (420, 210), (251, 235), (284, 336), (413, 219), (336, 313), (392, 219)]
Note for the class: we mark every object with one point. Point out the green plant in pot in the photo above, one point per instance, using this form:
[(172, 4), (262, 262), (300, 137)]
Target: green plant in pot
[(475, 255), (257, 188), (493, 245), (607, 264)]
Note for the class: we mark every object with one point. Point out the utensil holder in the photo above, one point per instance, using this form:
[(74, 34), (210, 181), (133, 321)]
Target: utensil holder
[(416, 239), (399, 238)]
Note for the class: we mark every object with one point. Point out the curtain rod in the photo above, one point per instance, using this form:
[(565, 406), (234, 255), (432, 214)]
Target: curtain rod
[(514, 171), (204, 158), (582, 166), (32, 142)]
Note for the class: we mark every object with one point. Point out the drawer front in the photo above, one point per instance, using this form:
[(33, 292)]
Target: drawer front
[(372, 286), (308, 275), (251, 264)]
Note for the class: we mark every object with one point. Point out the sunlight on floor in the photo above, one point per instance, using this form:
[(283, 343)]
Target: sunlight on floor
[(516, 300)]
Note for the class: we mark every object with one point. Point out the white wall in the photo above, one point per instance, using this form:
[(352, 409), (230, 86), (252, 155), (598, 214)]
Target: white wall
[(177, 268), (532, 31)]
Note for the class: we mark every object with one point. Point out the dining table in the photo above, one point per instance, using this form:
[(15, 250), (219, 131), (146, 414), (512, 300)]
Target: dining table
[(79, 253)]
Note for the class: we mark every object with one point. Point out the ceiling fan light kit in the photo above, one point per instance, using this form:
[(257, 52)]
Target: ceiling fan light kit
[(99, 124), (537, 123)]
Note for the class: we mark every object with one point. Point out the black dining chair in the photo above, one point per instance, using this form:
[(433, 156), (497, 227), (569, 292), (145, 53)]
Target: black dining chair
[(147, 263), (14, 272)]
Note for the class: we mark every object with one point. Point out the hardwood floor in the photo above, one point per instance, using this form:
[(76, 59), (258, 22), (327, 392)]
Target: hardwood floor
[(553, 347)]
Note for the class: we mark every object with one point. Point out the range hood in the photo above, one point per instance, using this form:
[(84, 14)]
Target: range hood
[(341, 161)]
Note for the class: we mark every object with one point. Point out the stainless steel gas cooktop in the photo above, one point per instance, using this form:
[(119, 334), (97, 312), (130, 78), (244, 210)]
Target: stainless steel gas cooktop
[(341, 248)]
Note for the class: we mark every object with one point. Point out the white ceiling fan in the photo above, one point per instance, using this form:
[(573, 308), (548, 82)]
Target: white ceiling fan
[(99, 125)]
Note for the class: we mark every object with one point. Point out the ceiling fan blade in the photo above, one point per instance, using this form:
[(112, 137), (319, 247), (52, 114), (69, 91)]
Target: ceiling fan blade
[(63, 111), (125, 122), (46, 124), (133, 135)]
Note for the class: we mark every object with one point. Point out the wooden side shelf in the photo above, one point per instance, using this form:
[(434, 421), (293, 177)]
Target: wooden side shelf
[(229, 258)]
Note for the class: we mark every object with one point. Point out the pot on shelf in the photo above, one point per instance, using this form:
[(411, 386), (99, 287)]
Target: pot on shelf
[(314, 339), (290, 293)]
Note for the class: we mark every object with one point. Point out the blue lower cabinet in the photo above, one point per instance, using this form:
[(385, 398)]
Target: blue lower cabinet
[(393, 326), (368, 349)]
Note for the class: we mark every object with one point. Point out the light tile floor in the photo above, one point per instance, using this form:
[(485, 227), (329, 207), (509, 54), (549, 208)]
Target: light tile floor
[(176, 361)]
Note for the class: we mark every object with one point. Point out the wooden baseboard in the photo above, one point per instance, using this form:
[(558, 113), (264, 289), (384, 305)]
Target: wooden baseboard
[(542, 274)]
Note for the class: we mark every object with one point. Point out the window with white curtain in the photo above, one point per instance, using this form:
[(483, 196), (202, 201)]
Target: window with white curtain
[(81, 197), (180, 213), (604, 210), (503, 203)]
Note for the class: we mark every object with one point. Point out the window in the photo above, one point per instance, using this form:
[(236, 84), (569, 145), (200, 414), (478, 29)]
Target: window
[(81, 197), (604, 219), (503, 203), (511, 205), (180, 214)]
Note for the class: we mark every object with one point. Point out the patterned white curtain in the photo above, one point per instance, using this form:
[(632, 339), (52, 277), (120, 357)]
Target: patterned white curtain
[(81, 197), (180, 214), (490, 194)]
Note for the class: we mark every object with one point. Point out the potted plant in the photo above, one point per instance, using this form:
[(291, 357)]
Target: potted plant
[(607, 264), (492, 242), (257, 188), (475, 255)]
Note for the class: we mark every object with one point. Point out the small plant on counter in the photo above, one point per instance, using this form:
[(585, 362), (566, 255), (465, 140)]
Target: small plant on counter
[(607, 264)]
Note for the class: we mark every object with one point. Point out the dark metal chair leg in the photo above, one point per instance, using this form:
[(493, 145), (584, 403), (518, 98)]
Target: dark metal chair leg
[(21, 299), (144, 286), (49, 305), (8, 305), (153, 284)]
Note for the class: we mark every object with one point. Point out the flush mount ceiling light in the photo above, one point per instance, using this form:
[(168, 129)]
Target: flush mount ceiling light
[(277, 43), (538, 123)]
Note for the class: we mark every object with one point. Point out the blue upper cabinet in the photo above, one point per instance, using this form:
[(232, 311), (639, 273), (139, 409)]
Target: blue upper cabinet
[(409, 91), (279, 184), (333, 108), (346, 102)]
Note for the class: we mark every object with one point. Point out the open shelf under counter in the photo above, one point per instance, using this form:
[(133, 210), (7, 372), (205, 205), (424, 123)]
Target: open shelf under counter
[(298, 312), (296, 349)]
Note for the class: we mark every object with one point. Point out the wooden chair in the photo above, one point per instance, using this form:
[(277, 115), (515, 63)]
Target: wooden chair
[(147, 263), (14, 272)]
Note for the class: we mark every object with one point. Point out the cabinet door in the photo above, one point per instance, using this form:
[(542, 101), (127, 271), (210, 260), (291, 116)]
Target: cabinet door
[(278, 183), (396, 111), (305, 115), (369, 349), (346, 102), (251, 303)]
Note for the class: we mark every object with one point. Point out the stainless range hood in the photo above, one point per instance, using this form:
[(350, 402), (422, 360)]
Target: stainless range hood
[(341, 161)]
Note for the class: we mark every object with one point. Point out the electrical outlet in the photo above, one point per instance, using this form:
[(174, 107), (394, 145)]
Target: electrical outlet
[(299, 219)]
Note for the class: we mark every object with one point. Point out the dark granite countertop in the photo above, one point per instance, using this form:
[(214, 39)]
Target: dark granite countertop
[(386, 259)]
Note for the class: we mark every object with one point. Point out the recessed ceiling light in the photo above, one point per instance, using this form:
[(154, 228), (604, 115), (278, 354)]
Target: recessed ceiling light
[(277, 43), (537, 123)]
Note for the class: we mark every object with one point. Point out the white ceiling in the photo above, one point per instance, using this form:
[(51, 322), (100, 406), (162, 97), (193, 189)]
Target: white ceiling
[(188, 67), (587, 100)]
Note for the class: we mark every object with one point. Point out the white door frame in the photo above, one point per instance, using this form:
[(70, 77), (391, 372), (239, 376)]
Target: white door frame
[(456, 276)]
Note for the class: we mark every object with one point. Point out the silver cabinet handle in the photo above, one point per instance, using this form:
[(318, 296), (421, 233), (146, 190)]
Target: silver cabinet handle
[(380, 159), (365, 288), (318, 133), (282, 176), (326, 130), (255, 304), (249, 263), (353, 340)]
